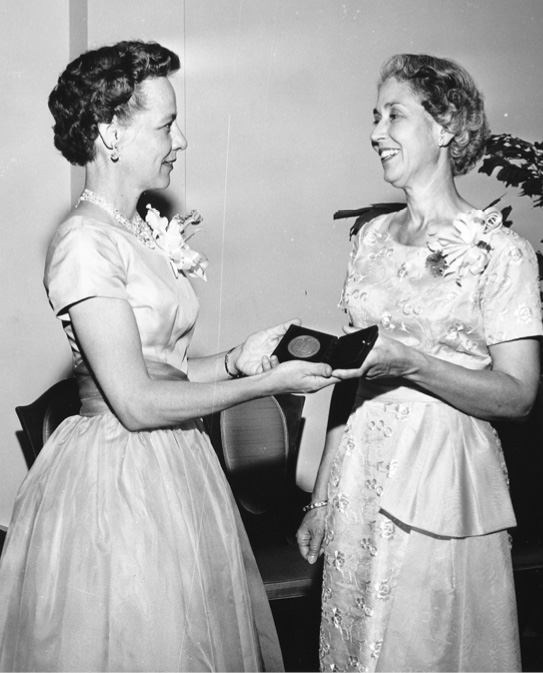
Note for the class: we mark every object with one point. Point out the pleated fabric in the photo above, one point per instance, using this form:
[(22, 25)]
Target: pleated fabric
[(126, 553)]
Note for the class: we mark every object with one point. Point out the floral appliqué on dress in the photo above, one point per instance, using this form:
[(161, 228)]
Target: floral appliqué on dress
[(171, 237), (466, 248)]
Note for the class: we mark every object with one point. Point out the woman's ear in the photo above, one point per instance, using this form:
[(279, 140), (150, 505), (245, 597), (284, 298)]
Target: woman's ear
[(445, 137), (109, 135)]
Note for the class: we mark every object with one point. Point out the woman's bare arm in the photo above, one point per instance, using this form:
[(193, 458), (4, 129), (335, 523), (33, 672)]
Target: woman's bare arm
[(507, 391), (107, 332)]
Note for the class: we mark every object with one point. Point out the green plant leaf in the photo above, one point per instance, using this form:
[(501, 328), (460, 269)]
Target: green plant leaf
[(505, 214)]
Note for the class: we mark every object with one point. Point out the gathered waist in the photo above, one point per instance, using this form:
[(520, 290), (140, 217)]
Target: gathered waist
[(93, 402)]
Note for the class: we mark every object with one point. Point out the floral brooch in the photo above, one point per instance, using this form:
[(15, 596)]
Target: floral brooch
[(466, 248), (171, 237)]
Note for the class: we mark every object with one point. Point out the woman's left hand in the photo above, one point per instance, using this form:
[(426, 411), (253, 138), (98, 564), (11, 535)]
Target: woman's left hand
[(252, 356)]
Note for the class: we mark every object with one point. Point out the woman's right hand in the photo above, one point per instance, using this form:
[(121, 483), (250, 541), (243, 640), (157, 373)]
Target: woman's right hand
[(310, 534), (389, 358), (248, 357), (297, 376)]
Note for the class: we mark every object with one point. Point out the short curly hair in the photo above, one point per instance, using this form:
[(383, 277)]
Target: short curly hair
[(449, 94), (99, 85)]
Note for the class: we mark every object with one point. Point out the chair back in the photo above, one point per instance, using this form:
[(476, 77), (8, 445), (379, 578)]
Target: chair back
[(40, 418), (256, 442), (254, 438)]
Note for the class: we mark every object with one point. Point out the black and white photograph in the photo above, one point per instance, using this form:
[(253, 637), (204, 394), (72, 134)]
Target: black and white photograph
[(271, 393)]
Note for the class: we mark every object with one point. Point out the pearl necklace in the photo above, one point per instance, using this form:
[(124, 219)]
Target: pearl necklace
[(136, 225)]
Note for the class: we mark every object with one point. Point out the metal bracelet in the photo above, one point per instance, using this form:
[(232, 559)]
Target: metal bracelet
[(232, 376), (314, 505)]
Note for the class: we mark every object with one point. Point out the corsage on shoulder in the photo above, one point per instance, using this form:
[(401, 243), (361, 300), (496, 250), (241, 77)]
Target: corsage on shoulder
[(466, 247), (172, 237)]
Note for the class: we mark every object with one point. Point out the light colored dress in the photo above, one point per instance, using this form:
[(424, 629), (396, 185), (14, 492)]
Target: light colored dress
[(417, 573), (126, 551)]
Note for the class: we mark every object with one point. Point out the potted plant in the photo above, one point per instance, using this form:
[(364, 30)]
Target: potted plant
[(518, 163)]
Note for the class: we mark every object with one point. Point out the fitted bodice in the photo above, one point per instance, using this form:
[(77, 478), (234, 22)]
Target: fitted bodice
[(393, 285), (88, 258)]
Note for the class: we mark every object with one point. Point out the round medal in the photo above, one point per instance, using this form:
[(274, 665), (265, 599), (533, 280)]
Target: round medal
[(304, 346)]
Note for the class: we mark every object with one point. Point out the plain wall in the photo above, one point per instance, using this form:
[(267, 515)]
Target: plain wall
[(34, 195), (276, 100)]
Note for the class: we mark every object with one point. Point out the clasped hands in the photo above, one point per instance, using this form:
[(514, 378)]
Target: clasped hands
[(253, 356), (389, 358)]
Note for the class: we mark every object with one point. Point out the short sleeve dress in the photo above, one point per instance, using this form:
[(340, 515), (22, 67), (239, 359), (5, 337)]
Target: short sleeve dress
[(126, 551), (417, 573)]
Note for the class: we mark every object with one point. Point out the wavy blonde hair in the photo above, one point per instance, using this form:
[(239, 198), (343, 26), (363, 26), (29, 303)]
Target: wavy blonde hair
[(449, 94)]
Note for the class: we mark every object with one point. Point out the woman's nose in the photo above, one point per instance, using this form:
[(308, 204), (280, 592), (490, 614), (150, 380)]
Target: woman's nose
[(179, 141), (378, 132)]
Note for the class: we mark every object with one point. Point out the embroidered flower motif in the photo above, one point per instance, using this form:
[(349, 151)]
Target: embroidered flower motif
[(337, 618), (383, 590), (171, 237), (374, 486), (402, 411), (402, 271), (516, 255), (350, 446), (324, 649), (375, 648), (524, 313), (364, 607), (454, 330), (366, 544), (384, 529), (352, 663), (392, 468), (386, 320), (341, 502), (466, 248), (339, 560)]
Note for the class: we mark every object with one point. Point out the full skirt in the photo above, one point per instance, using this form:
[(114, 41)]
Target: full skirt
[(126, 552), (397, 598)]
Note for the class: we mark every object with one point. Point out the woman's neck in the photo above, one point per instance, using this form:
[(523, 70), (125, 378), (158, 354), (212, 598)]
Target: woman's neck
[(433, 205), (114, 190), (438, 197)]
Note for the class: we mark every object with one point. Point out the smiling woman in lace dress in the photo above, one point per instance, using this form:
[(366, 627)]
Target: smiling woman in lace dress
[(126, 551), (411, 498)]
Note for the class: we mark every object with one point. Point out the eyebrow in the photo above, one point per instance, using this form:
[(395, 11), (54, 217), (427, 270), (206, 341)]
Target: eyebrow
[(169, 118), (388, 105)]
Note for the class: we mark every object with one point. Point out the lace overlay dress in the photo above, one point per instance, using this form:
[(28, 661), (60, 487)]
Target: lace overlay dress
[(417, 573), (126, 551)]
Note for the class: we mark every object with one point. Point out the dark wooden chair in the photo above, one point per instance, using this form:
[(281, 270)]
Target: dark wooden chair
[(40, 418), (257, 445)]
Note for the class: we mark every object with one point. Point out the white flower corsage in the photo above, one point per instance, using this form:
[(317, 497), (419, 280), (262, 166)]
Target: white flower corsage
[(466, 248), (171, 237)]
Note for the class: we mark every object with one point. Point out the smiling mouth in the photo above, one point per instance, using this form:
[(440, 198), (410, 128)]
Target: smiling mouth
[(387, 154)]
